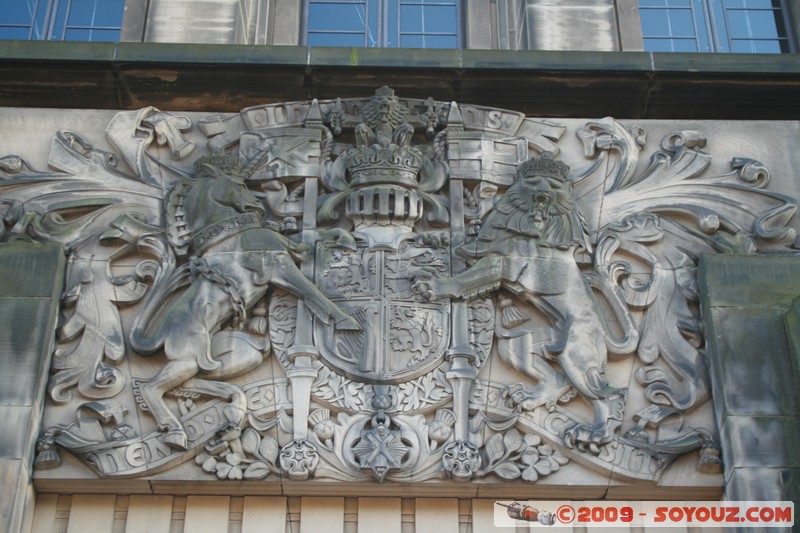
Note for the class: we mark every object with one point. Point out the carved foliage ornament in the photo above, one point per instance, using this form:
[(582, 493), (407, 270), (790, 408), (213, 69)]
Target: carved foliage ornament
[(382, 289)]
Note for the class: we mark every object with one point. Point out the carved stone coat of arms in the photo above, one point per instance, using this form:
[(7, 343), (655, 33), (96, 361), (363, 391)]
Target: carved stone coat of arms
[(383, 289)]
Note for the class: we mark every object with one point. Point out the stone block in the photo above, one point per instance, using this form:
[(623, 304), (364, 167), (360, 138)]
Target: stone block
[(436, 515), (760, 442), (261, 514), (749, 280), (321, 514), (751, 370), (207, 513), (18, 439), (44, 514), (33, 270), (149, 513), (91, 512), (380, 514), (792, 322), (763, 484), (16, 494), (25, 344)]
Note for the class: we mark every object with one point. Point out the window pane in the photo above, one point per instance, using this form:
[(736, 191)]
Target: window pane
[(337, 17), (753, 3), (336, 39), (429, 41), (91, 35), (758, 47), (17, 12), (681, 23), (655, 23), (670, 45), (19, 32), (664, 3), (428, 19), (96, 13), (759, 24), (684, 45)]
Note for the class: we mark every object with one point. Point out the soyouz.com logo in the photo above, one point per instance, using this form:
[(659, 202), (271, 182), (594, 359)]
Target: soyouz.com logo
[(555, 513)]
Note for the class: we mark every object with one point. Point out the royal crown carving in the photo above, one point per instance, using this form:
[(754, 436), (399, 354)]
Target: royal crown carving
[(385, 290), (384, 165)]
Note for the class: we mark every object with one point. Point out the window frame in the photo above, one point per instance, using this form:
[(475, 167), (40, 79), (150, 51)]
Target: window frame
[(54, 16), (382, 21), (711, 23)]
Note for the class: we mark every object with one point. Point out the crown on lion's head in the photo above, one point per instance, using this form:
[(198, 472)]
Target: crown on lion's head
[(543, 165)]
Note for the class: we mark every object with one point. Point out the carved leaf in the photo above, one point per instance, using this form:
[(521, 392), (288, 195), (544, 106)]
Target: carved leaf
[(530, 457), (351, 400), (559, 458), (223, 469), (530, 474), (257, 471), (210, 465), (495, 448), (269, 449), (532, 440), (544, 467), (251, 441), (513, 440), (507, 470)]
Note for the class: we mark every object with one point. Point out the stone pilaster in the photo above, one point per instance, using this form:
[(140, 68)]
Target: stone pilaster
[(30, 286), (747, 301)]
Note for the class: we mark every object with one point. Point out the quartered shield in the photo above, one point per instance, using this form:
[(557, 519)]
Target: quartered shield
[(403, 336)]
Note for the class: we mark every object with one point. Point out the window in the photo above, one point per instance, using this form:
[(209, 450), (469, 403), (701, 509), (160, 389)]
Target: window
[(386, 23), (741, 26), (68, 20)]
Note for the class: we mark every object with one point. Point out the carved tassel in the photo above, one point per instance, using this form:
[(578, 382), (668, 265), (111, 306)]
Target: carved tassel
[(511, 316)]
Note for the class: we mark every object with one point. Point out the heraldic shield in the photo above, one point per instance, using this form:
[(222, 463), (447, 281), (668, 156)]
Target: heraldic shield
[(403, 336)]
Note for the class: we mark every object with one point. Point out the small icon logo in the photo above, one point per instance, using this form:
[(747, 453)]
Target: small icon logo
[(527, 513)]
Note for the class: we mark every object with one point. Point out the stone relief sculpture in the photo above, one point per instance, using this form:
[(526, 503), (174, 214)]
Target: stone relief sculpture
[(383, 289)]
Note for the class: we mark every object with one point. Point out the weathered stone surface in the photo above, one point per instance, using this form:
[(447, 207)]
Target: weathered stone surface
[(750, 364), (761, 441), (792, 321), (448, 332), (750, 281), (18, 443), (17, 497), (763, 484), (746, 301), (30, 283), (25, 344), (30, 270)]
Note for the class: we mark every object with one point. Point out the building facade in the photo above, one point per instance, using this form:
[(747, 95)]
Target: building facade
[(512, 298)]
